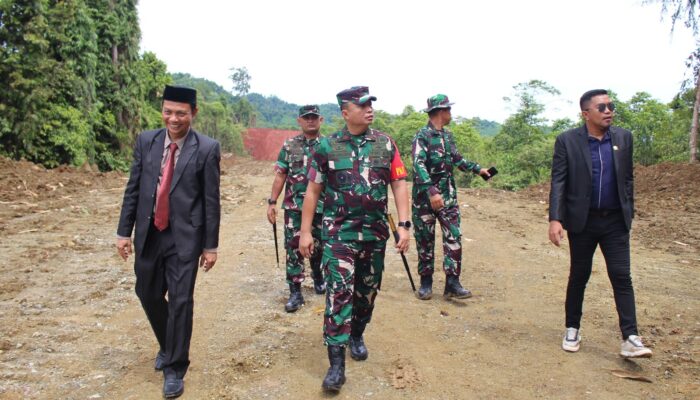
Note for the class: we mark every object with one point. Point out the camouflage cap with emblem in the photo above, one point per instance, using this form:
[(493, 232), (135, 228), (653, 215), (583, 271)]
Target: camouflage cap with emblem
[(309, 109), (357, 95), (438, 101)]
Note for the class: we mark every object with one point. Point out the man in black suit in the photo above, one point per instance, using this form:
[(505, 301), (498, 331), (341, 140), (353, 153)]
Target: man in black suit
[(173, 199), (592, 197)]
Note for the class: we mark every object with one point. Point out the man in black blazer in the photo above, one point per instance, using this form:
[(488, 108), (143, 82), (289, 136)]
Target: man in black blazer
[(592, 197), (173, 199)]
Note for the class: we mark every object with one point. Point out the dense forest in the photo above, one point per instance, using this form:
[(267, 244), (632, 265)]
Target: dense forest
[(75, 89)]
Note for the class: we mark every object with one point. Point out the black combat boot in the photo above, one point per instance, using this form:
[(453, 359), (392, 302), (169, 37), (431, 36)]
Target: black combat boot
[(296, 300), (358, 350), (335, 377), (426, 287), (319, 284), (454, 289)]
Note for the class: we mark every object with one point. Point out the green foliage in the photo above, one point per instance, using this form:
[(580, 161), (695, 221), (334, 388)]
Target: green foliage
[(215, 119), (650, 122), (243, 112), (152, 77), (405, 127), (221, 115), (522, 149), (71, 86), (67, 135), (74, 89), (471, 146), (562, 124)]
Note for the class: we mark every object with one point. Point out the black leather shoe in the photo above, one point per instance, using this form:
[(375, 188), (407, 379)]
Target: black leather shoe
[(358, 350), (426, 287), (173, 387), (296, 300), (335, 377), (454, 289), (160, 361)]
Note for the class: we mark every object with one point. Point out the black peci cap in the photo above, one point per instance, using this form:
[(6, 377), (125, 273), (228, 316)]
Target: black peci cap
[(180, 94)]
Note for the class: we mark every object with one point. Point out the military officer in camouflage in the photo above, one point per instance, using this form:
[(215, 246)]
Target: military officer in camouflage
[(290, 171), (435, 156), (353, 168)]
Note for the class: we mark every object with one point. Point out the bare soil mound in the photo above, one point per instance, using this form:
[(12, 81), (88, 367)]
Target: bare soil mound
[(667, 205)]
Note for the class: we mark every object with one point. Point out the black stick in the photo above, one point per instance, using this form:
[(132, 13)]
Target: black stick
[(277, 253), (403, 257)]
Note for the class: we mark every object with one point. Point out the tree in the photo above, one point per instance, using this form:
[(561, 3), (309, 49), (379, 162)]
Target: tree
[(527, 124), (522, 148), (48, 73), (470, 145), (694, 60), (688, 12), (241, 80), (650, 121)]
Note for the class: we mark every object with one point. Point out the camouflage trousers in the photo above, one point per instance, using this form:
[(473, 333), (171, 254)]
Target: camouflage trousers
[(353, 273), (295, 261), (424, 219)]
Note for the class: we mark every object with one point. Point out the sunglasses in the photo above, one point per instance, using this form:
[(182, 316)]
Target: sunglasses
[(601, 107)]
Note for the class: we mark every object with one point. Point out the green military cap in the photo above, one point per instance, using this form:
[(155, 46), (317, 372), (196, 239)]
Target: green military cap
[(438, 101), (309, 109), (357, 94)]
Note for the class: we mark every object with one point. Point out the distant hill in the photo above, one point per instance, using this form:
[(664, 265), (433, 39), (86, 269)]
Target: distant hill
[(272, 111), (485, 127), (206, 89), (276, 113)]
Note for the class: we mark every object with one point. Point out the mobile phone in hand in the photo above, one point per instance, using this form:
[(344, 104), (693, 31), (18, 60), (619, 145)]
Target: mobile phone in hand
[(492, 171)]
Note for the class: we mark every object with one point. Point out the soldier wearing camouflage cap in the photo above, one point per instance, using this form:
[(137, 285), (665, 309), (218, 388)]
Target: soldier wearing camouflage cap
[(290, 171), (353, 168), (435, 156)]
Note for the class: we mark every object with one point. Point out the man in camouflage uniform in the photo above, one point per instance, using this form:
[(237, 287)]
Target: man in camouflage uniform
[(435, 156), (291, 170), (353, 168)]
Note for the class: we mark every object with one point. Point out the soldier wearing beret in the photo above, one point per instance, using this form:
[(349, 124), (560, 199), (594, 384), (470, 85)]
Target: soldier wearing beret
[(435, 156), (353, 168), (172, 199), (290, 172)]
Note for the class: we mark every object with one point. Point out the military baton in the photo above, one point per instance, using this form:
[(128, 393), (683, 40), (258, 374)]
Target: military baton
[(403, 257), (277, 253)]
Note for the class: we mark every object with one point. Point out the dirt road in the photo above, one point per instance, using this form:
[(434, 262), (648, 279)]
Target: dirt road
[(71, 326)]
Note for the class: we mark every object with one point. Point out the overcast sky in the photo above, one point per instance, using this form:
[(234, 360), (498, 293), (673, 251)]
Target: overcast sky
[(406, 51)]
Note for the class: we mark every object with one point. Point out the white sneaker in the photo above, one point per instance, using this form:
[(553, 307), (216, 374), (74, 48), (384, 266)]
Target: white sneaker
[(572, 340), (633, 347)]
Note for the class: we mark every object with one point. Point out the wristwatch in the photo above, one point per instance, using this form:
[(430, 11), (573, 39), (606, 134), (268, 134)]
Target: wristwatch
[(405, 224), (270, 201)]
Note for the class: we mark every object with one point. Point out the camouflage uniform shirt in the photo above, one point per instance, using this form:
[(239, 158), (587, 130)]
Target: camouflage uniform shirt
[(435, 156), (355, 170), (294, 160)]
